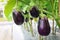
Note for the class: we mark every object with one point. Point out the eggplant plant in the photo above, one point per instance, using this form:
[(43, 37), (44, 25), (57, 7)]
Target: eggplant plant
[(41, 9), (18, 17)]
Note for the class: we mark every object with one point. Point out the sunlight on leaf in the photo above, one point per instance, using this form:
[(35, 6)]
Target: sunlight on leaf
[(8, 8)]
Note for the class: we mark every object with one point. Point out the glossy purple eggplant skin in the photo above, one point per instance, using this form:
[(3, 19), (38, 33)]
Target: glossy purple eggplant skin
[(43, 26), (34, 12), (18, 17)]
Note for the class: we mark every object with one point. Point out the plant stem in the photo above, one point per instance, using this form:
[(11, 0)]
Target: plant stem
[(27, 26), (42, 38), (59, 13), (24, 26), (59, 8), (31, 29), (53, 29), (39, 37), (45, 38)]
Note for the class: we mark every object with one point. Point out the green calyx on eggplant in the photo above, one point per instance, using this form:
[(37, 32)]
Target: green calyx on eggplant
[(31, 18), (34, 12), (18, 17), (26, 12), (43, 26)]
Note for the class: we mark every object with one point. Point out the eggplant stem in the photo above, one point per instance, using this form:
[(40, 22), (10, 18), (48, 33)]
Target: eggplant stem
[(53, 28), (25, 25), (31, 29), (41, 37)]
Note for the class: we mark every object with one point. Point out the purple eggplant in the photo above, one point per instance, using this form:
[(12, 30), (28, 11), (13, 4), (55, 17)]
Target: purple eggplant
[(43, 26), (18, 17), (34, 12)]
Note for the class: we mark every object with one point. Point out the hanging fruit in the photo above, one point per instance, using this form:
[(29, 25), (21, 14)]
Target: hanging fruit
[(43, 26), (34, 12), (18, 17)]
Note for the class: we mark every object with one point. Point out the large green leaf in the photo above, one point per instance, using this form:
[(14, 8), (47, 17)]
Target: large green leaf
[(8, 8)]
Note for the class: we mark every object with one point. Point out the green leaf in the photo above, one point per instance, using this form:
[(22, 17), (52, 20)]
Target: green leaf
[(20, 5), (8, 8), (27, 2)]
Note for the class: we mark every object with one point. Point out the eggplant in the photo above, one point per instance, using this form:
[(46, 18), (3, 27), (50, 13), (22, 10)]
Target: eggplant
[(18, 17), (44, 26), (34, 12)]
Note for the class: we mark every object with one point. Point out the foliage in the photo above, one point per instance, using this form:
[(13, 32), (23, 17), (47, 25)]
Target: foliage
[(51, 5)]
